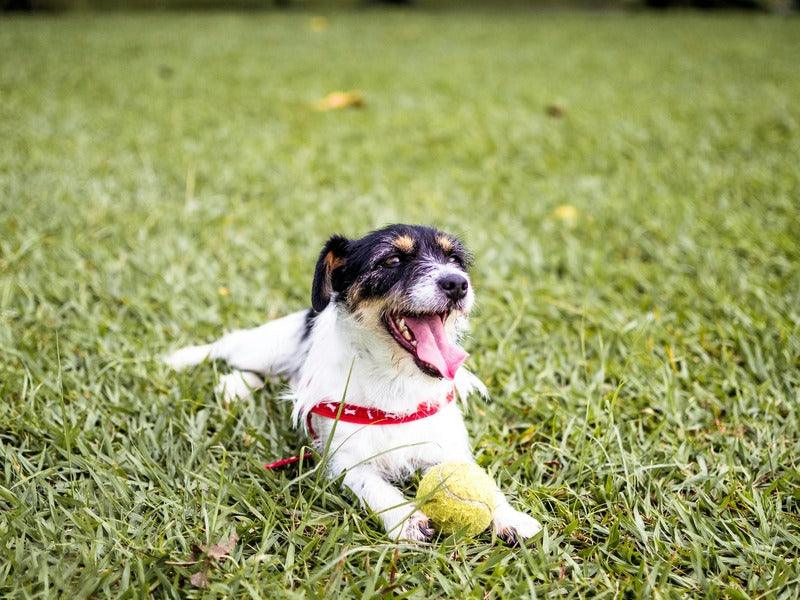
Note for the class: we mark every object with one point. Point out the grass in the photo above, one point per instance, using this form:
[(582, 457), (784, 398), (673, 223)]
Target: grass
[(628, 183)]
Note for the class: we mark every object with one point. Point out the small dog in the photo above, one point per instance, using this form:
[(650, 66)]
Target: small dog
[(387, 312)]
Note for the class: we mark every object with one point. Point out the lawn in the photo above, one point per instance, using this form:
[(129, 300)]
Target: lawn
[(629, 185)]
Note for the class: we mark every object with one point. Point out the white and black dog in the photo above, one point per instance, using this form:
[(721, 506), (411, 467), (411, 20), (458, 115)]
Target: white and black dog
[(387, 312)]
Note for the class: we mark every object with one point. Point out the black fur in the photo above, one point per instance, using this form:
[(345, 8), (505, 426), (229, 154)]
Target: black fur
[(308, 326)]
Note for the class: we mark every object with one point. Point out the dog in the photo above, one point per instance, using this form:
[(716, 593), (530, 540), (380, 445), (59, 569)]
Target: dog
[(373, 365)]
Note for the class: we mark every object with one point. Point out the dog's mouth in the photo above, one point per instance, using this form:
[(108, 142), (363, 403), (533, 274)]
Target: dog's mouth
[(423, 336)]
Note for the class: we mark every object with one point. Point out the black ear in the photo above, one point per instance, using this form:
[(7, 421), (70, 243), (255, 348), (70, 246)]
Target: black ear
[(332, 257)]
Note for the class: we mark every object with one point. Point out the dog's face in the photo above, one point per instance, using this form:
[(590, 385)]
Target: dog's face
[(406, 283)]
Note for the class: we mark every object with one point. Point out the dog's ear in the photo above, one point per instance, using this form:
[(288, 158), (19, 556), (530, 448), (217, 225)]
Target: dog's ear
[(332, 257)]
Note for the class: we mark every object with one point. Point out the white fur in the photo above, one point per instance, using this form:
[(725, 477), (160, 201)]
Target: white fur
[(426, 291), (188, 356), (238, 385), (358, 360)]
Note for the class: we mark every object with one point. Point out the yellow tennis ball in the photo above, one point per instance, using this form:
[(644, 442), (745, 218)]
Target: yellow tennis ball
[(458, 497)]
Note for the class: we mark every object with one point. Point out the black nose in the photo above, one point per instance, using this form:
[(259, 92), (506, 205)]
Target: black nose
[(454, 286)]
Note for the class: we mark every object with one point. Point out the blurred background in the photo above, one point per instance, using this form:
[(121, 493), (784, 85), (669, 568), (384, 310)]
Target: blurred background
[(777, 6)]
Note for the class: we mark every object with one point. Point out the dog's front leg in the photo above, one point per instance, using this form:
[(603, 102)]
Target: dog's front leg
[(400, 519), (510, 524)]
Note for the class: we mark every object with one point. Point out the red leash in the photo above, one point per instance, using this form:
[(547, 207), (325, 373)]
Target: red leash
[(361, 415)]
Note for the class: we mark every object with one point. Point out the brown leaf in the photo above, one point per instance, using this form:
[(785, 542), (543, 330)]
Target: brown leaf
[(554, 110), (199, 579), (222, 549), (340, 100)]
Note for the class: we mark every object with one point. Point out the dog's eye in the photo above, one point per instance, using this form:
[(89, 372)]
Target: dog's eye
[(391, 262), (455, 260)]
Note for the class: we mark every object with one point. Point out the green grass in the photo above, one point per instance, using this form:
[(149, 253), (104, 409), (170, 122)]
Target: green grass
[(643, 357)]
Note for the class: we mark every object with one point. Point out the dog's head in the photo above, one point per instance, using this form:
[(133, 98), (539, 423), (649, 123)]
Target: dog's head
[(408, 284)]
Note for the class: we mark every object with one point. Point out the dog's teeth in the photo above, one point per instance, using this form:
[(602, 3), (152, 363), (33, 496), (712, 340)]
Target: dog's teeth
[(402, 322), (407, 334), (414, 343)]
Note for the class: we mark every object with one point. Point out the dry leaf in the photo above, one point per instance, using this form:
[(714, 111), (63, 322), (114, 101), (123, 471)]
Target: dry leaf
[(222, 549), (318, 24), (554, 110), (340, 100), (199, 579)]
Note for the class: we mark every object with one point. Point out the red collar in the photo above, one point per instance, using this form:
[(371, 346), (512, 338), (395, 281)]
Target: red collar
[(362, 415)]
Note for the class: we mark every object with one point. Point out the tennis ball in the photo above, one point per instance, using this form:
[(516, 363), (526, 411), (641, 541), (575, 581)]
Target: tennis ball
[(458, 497)]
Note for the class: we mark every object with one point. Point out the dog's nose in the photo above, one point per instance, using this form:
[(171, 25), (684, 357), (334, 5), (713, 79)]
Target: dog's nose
[(454, 286)]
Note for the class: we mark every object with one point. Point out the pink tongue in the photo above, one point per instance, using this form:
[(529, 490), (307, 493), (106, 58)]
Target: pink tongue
[(433, 347)]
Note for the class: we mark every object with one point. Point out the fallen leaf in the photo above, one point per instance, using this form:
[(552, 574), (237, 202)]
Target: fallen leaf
[(527, 435), (318, 24), (566, 213), (222, 549), (199, 579), (340, 100)]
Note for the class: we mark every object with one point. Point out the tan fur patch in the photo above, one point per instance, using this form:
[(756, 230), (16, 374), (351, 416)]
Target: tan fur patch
[(354, 295), (365, 311), (405, 243), (332, 261), (445, 243)]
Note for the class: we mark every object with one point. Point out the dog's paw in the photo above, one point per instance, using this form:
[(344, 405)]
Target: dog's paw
[(238, 385), (416, 528), (511, 525)]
